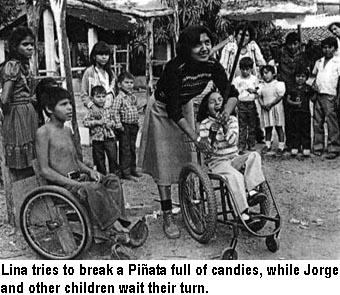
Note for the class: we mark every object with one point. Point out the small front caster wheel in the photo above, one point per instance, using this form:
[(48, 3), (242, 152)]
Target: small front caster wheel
[(272, 243), (229, 254)]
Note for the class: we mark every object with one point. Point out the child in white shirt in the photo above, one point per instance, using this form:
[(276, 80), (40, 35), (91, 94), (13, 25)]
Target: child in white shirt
[(247, 85)]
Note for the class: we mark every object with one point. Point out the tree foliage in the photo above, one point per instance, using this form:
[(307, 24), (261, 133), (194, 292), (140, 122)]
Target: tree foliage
[(8, 10)]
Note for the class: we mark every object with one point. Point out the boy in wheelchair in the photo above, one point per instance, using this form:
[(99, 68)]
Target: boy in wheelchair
[(243, 172), (59, 165)]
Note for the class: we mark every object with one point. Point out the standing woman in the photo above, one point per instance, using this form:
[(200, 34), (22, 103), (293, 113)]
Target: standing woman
[(98, 73), (249, 49), (20, 117), (169, 115)]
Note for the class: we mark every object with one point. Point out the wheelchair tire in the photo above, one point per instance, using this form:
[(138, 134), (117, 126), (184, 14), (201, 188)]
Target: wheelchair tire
[(198, 202), (264, 208), (55, 224)]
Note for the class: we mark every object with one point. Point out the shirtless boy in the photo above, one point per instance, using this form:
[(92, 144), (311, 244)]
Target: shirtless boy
[(59, 165)]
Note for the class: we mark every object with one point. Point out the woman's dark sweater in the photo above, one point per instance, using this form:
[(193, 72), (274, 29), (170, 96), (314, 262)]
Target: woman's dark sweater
[(180, 82)]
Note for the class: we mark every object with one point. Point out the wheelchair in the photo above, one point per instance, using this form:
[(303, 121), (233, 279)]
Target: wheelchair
[(206, 198), (56, 225)]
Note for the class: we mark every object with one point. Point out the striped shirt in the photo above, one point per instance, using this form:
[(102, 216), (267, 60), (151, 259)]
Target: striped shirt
[(225, 143), (125, 109)]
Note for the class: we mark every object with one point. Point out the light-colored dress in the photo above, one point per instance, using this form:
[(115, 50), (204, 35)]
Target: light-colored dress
[(269, 92)]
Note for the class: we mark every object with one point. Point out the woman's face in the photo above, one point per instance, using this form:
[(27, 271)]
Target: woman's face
[(26, 47), (335, 30), (102, 59), (246, 37), (201, 51)]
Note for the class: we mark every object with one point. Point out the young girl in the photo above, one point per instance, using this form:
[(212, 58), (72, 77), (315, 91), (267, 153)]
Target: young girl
[(99, 73), (225, 159), (20, 118), (271, 94)]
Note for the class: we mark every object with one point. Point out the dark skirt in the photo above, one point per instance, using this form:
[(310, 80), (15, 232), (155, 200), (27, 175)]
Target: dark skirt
[(19, 130), (163, 150)]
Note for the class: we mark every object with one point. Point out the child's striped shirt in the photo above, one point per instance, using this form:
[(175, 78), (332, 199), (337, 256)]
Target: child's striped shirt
[(225, 143)]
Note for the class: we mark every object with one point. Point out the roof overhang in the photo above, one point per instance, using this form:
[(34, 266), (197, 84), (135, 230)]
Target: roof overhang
[(266, 9), (107, 20)]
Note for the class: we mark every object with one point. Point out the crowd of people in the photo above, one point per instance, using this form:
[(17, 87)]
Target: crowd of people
[(235, 109)]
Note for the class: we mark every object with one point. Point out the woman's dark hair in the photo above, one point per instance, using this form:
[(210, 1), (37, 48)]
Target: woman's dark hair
[(102, 47), (51, 97), (250, 29), (18, 34), (330, 41), (203, 110), (337, 24), (188, 39)]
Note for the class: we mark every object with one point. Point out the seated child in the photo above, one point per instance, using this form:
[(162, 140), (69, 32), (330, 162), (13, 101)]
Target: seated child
[(271, 93), (225, 159), (59, 165), (298, 99), (102, 132)]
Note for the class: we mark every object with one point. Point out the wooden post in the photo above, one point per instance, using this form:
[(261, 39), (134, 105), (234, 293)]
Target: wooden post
[(2, 50), (59, 12), (34, 8), (92, 38), (299, 28), (149, 56), (49, 42)]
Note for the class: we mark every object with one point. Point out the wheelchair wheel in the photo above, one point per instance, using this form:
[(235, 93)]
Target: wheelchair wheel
[(55, 224), (263, 208), (198, 202), (229, 254)]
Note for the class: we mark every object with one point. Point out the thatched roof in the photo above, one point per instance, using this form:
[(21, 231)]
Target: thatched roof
[(266, 9)]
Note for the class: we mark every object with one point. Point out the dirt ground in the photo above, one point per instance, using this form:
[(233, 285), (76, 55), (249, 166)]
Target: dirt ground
[(307, 192)]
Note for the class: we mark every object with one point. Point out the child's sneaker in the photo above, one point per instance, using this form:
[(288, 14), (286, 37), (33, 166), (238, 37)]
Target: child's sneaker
[(265, 150), (306, 152), (294, 152)]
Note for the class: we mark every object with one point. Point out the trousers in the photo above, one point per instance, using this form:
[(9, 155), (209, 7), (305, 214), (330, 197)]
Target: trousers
[(243, 173)]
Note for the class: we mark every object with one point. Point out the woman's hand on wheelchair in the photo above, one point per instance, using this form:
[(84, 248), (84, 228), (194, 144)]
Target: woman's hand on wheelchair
[(204, 145), (95, 175)]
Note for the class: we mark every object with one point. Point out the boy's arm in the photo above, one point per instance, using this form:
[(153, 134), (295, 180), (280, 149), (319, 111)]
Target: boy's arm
[(291, 102), (42, 146), (90, 121), (116, 112)]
